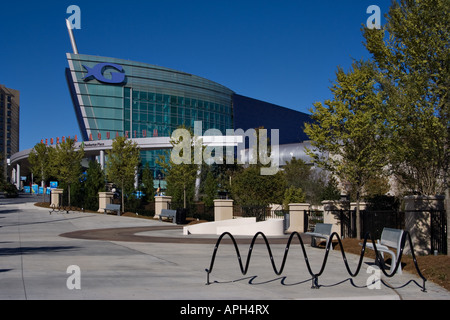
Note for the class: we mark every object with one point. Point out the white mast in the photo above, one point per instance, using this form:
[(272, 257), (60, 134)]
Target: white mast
[(72, 38)]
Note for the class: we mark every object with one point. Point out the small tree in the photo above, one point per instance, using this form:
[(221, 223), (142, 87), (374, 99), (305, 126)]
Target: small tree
[(250, 188), (66, 163), (331, 190), (122, 163), (293, 195)]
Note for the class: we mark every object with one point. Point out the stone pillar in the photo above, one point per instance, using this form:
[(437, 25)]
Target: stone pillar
[(297, 216), (331, 213), (13, 176), (161, 202), (18, 182), (418, 220), (56, 196), (102, 159), (362, 205), (104, 198), (223, 210)]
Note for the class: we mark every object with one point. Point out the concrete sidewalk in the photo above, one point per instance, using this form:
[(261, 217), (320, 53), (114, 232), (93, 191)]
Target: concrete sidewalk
[(34, 262)]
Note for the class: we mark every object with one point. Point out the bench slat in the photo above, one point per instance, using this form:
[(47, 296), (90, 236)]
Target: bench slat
[(168, 214), (321, 230), (389, 238), (112, 207)]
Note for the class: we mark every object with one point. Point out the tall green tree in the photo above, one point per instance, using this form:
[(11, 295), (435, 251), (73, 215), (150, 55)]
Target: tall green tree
[(40, 161), (147, 182), (348, 129), (210, 189), (121, 165), (180, 168), (412, 51), (66, 163), (413, 54), (94, 183)]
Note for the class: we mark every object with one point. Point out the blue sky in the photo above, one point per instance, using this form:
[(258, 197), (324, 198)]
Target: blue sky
[(283, 52)]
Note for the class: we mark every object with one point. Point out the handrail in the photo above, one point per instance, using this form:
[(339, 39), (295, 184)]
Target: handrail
[(315, 276)]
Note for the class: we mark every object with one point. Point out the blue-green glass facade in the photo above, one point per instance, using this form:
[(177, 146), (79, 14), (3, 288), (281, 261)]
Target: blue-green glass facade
[(151, 101)]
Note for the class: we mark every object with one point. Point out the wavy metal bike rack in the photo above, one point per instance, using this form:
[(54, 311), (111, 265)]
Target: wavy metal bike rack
[(315, 276), (65, 209)]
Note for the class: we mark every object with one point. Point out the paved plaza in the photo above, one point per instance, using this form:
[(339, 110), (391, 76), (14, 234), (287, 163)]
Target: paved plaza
[(46, 256)]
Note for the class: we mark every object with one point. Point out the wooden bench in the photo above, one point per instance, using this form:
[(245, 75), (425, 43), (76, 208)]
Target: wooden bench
[(321, 230), (113, 208), (390, 238), (168, 214)]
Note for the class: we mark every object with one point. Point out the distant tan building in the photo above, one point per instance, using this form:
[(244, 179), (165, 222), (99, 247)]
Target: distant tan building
[(9, 124)]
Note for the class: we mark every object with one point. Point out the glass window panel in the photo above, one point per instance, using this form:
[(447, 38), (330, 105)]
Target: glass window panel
[(126, 103), (126, 92)]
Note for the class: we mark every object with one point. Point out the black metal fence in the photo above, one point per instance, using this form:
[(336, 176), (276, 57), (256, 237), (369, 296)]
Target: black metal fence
[(196, 210), (374, 222), (439, 231), (261, 213), (311, 218)]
